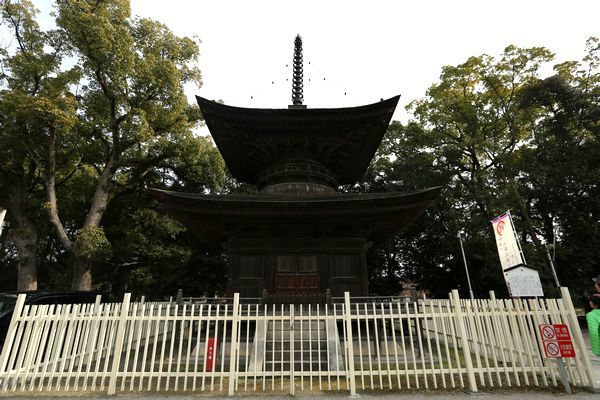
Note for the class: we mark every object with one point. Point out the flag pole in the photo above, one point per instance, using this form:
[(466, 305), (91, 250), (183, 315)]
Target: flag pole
[(459, 236)]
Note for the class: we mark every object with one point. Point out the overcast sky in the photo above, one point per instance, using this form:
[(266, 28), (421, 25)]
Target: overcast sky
[(359, 51)]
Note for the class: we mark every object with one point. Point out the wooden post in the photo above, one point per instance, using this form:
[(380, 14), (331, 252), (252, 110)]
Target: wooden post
[(292, 338), (462, 333), (349, 343), (10, 337), (233, 348), (566, 296), (114, 371)]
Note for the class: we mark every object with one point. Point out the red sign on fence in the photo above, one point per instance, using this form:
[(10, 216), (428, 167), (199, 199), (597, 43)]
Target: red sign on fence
[(556, 340), (211, 354)]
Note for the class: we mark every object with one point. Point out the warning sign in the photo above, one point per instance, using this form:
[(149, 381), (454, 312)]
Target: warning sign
[(566, 348), (551, 349), (562, 332), (556, 340), (548, 332)]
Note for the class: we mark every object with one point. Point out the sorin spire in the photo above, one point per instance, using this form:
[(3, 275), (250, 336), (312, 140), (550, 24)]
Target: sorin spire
[(298, 77)]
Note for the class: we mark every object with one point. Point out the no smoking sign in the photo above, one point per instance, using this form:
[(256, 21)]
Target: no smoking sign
[(556, 340)]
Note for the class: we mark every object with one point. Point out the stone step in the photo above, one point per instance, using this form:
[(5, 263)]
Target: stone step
[(305, 350), (316, 346), (274, 366), (287, 335), (305, 325), (286, 347)]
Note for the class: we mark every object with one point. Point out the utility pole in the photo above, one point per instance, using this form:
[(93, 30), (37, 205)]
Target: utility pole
[(552, 267), (459, 236)]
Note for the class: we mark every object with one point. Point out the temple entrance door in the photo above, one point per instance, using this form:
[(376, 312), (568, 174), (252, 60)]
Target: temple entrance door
[(297, 280)]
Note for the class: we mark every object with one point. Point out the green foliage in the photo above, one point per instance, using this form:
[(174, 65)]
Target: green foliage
[(92, 242), (153, 255), (107, 124), (497, 137)]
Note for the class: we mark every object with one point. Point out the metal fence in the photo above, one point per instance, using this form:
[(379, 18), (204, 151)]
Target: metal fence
[(233, 347)]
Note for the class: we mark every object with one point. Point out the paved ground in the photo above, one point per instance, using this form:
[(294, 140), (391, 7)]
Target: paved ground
[(594, 359)]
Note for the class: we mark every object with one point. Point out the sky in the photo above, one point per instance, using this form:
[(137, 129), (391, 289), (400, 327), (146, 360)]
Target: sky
[(357, 52)]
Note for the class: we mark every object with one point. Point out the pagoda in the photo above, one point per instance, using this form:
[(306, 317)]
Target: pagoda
[(298, 237)]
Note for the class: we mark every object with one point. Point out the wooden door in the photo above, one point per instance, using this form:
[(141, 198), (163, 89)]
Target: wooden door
[(296, 279)]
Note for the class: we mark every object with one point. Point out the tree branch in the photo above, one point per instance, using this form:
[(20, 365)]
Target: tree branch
[(50, 178)]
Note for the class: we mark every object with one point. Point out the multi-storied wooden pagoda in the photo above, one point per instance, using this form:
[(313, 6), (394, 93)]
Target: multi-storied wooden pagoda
[(298, 236)]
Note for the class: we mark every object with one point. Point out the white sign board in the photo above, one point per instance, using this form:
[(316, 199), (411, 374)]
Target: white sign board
[(506, 241), (523, 282)]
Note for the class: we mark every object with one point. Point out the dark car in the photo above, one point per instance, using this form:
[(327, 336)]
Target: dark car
[(8, 300)]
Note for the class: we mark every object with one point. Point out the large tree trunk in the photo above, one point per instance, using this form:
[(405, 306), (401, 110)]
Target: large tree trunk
[(25, 237), (26, 243), (82, 265), (82, 273)]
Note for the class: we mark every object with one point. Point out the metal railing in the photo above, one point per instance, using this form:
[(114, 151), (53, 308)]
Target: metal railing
[(225, 348)]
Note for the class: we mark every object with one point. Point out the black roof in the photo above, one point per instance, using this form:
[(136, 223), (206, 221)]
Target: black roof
[(384, 213), (343, 140)]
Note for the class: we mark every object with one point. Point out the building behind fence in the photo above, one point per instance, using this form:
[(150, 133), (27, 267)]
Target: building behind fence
[(230, 347)]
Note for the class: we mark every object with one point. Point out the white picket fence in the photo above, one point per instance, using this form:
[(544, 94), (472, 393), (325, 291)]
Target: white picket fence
[(228, 348)]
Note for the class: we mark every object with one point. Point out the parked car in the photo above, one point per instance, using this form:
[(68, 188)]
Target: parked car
[(8, 300)]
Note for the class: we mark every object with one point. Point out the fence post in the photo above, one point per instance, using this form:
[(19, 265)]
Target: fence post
[(114, 370), (10, 337), (349, 343), (233, 349), (566, 296), (462, 333), (292, 361)]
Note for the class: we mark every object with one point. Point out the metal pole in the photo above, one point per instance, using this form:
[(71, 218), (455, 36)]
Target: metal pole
[(459, 236), (563, 375), (552, 267)]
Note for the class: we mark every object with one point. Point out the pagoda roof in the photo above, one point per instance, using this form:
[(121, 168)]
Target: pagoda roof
[(381, 214), (343, 140)]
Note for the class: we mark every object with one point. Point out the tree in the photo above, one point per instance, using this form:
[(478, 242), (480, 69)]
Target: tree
[(478, 125), (559, 168), (497, 137), (33, 101), (427, 254), (152, 254), (94, 129), (132, 115)]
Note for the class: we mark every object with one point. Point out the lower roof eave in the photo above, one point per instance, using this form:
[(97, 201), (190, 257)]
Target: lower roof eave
[(265, 206), (380, 215)]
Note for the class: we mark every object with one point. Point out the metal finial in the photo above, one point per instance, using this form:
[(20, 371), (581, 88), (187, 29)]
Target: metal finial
[(297, 88)]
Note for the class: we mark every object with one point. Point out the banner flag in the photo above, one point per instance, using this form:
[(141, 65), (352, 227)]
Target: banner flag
[(509, 250)]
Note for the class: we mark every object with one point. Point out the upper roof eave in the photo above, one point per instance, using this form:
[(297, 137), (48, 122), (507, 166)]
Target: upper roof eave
[(343, 140), (225, 109)]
